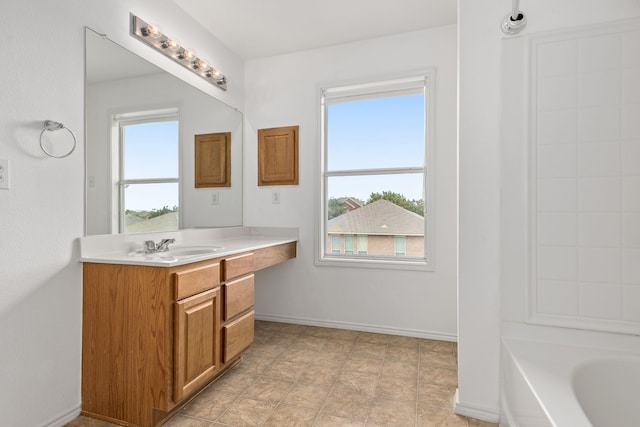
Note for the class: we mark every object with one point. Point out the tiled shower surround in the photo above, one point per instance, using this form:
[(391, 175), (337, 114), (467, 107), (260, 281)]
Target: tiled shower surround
[(297, 375), (585, 178)]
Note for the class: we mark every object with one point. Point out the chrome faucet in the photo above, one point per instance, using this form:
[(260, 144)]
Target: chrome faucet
[(151, 247)]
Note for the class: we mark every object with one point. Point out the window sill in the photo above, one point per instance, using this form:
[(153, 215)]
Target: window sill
[(419, 264)]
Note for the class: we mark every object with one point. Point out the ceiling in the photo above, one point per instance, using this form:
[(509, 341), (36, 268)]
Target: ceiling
[(260, 28)]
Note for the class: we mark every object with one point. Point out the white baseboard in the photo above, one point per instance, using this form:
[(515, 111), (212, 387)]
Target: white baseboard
[(65, 418), (358, 327), (491, 415)]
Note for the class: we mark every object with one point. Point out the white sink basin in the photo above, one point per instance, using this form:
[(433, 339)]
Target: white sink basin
[(188, 251), (179, 252)]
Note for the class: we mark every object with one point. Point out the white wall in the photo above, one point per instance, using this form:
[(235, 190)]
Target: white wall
[(198, 113), (479, 305), (42, 77), (284, 90)]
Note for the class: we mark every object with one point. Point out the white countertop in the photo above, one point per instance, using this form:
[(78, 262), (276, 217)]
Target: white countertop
[(216, 242)]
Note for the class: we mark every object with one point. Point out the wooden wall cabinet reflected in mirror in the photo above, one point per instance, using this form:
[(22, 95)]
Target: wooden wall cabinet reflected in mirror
[(278, 156), (213, 160)]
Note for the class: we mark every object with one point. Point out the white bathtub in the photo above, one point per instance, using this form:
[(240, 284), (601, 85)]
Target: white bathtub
[(559, 385)]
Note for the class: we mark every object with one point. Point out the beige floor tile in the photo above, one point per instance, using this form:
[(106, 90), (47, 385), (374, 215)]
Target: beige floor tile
[(360, 363), (438, 376), (345, 335), (252, 365), (210, 404), (404, 342), (352, 378), (233, 382), (400, 369), (268, 389), (247, 413), (435, 395), (363, 382), (434, 345), (478, 423), (338, 345), (392, 413), (306, 396), (185, 421), (438, 359), (332, 359), (397, 388), (265, 351), (373, 338), (299, 355), (291, 416), (319, 332), (439, 417), (284, 370), (319, 375), (83, 421), (403, 354), (347, 403), (309, 343), (370, 349), (326, 420)]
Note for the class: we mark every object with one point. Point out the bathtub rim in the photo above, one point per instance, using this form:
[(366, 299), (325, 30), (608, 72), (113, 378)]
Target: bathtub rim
[(543, 353)]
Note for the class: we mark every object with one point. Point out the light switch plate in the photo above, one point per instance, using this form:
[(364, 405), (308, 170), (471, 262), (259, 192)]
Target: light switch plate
[(4, 174)]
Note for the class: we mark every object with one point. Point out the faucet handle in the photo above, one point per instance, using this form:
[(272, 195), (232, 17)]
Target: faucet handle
[(149, 246)]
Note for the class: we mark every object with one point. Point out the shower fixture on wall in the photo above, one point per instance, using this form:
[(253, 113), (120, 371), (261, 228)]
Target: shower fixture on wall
[(514, 22), (151, 35)]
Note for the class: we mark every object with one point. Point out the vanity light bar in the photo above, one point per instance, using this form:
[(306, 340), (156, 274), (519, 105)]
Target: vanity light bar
[(151, 35)]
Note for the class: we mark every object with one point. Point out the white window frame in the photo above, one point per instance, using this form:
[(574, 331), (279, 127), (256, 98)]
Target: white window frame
[(117, 160), (360, 90)]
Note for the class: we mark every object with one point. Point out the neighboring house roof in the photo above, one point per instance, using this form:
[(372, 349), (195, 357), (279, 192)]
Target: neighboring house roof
[(380, 217), (351, 204)]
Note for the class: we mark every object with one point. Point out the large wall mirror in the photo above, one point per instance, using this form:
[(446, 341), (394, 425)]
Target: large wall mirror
[(141, 126)]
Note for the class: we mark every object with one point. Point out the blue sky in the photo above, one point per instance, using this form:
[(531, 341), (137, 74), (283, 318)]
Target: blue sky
[(151, 151), (373, 133)]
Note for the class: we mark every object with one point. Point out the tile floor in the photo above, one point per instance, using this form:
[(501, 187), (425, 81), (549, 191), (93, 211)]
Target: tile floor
[(297, 375)]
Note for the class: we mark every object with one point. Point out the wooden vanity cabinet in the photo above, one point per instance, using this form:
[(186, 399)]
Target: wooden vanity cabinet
[(152, 337)]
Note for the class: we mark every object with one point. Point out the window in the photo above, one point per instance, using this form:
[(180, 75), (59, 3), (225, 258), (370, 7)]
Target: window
[(362, 245), (375, 179), (147, 184), (400, 244), (335, 244), (348, 245)]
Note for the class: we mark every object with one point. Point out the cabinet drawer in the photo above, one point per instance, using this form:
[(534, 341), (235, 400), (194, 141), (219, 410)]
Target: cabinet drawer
[(238, 296), (195, 280), (238, 265), (238, 336)]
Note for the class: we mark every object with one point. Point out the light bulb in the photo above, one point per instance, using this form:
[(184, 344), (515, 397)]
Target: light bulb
[(200, 64), (153, 31), (187, 54), (171, 45)]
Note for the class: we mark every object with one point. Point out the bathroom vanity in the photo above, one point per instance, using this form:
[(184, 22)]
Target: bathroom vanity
[(157, 328)]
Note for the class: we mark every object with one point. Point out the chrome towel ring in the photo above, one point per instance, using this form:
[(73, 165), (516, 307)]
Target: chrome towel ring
[(51, 126)]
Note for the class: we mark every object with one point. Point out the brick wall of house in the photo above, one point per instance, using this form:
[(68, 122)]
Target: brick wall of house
[(384, 245)]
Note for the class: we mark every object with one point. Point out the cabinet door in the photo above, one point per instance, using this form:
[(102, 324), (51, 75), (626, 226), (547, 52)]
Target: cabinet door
[(197, 340)]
